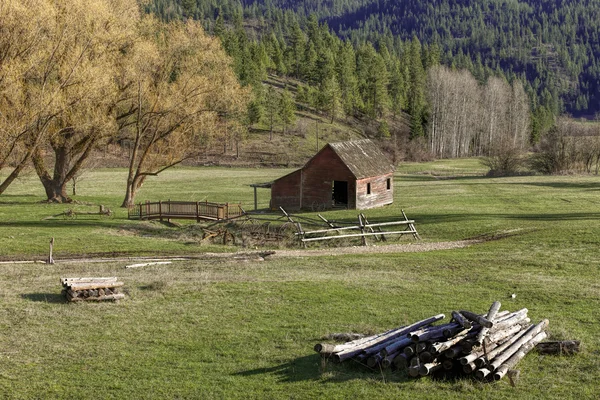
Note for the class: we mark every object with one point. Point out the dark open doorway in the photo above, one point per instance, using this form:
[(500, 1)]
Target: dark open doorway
[(340, 193)]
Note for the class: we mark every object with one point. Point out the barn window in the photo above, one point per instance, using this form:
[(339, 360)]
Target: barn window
[(368, 188), (389, 183)]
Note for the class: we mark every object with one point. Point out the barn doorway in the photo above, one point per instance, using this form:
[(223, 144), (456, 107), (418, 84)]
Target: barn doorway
[(340, 193)]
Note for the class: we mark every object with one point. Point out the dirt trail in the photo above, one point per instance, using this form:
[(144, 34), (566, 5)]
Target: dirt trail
[(389, 248), (259, 254)]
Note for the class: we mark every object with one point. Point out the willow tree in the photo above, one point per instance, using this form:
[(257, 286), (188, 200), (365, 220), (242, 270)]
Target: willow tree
[(30, 101), (90, 43), (182, 90)]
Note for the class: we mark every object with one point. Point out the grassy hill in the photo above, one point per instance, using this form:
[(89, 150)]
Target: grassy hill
[(242, 329)]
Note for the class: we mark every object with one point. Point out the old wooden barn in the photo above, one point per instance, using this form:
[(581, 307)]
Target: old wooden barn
[(354, 174)]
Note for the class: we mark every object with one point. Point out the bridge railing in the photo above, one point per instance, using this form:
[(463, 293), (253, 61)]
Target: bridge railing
[(198, 210)]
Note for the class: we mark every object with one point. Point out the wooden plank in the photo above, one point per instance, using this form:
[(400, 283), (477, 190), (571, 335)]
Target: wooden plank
[(355, 235), (94, 285), (65, 281), (118, 296)]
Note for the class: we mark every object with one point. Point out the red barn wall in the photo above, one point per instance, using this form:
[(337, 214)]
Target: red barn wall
[(318, 176), (285, 192), (380, 194), (311, 187)]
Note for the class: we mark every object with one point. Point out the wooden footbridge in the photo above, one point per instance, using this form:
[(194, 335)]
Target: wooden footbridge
[(198, 210)]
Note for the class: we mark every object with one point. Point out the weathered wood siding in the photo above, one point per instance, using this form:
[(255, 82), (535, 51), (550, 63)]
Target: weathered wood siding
[(380, 194), (311, 187), (318, 176), (285, 192)]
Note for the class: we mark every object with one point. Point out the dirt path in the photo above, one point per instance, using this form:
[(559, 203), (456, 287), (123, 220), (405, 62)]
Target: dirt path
[(259, 254), (389, 248)]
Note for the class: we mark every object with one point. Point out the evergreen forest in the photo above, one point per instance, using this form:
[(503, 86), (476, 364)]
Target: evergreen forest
[(552, 46)]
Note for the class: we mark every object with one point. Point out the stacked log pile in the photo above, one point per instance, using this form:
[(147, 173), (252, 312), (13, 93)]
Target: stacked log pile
[(91, 289), (485, 346)]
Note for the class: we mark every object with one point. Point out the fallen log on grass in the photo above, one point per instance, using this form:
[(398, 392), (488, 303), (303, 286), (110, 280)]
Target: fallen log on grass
[(564, 347)]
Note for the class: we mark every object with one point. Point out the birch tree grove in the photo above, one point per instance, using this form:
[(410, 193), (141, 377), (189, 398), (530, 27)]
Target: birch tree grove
[(467, 119)]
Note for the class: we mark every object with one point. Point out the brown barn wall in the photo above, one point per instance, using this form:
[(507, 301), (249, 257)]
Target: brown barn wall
[(380, 195), (318, 176), (285, 192)]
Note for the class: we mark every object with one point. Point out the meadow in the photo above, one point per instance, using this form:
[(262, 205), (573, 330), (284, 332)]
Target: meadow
[(211, 329)]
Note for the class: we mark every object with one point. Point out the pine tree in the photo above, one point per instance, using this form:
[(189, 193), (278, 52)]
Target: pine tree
[(416, 89), (272, 107), (330, 97), (287, 109)]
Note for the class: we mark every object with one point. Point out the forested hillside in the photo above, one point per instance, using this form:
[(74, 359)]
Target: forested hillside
[(552, 45)]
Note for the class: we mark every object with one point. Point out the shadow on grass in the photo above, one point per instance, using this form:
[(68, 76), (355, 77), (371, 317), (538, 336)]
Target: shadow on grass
[(314, 368), (426, 219), (45, 297), (300, 369), (562, 185)]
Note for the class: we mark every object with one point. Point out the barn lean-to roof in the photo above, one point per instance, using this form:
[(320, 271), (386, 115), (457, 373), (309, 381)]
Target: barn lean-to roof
[(363, 158)]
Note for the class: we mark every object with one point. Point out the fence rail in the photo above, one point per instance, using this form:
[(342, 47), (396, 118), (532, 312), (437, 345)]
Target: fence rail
[(198, 210)]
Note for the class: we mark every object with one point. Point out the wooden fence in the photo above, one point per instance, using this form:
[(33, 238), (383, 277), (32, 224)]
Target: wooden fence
[(198, 210)]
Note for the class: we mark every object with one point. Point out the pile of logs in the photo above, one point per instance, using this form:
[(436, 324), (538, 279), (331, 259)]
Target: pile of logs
[(485, 346), (91, 289)]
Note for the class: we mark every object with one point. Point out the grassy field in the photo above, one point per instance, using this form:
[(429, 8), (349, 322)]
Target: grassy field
[(230, 329)]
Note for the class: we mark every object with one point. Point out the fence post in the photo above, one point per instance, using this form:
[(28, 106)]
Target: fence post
[(147, 209), (160, 210), (197, 211), (226, 210), (140, 210)]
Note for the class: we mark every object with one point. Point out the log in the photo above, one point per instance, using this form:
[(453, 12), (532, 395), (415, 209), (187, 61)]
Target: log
[(426, 357), (413, 371), (469, 368), (483, 360), (448, 364), (506, 354), (427, 369), (469, 358), (410, 351), (454, 351), (94, 285), (399, 342), (341, 356), (484, 322), (430, 334), (374, 360), (401, 360), (512, 319), (564, 347), (389, 360), (518, 355), (64, 281), (490, 316), (396, 346), (440, 347), (482, 373), (461, 320), (503, 334), (109, 297), (421, 347)]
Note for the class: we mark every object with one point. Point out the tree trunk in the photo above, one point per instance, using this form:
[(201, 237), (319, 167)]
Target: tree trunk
[(132, 187), (56, 191), (56, 185)]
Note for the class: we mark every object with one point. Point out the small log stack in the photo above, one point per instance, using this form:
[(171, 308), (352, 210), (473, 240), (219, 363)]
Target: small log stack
[(484, 346), (91, 289)]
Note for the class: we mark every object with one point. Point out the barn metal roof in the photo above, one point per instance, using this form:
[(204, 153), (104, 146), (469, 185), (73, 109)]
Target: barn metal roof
[(363, 158)]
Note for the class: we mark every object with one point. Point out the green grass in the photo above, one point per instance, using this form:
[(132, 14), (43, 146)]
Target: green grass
[(226, 329)]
